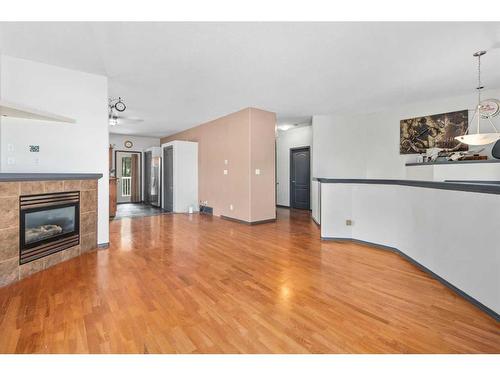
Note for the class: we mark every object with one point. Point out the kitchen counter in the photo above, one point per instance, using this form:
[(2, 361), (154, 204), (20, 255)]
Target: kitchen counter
[(487, 187)]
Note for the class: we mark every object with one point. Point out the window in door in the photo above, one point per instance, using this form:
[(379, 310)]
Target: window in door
[(126, 176)]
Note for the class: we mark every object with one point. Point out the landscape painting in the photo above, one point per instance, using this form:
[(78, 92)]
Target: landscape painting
[(420, 133)]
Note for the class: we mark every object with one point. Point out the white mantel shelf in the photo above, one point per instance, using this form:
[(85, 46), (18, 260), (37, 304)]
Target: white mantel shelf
[(8, 109)]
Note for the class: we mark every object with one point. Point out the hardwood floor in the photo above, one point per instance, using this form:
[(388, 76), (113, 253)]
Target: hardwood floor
[(196, 284)]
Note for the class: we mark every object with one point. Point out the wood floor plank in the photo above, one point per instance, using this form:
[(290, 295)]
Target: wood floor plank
[(200, 284)]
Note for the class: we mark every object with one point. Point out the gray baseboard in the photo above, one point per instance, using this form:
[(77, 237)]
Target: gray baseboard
[(446, 283), (247, 222), (282, 206), (315, 222)]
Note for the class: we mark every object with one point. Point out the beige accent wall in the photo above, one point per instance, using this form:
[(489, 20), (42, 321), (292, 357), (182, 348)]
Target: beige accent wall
[(246, 139), (262, 157)]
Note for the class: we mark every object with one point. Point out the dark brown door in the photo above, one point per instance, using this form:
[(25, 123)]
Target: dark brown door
[(300, 178)]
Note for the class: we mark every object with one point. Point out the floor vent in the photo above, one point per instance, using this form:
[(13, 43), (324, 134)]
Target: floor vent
[(206, 210)]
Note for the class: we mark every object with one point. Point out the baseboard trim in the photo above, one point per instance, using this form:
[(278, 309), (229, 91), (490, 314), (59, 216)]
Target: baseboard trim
[(446, 283), (315, 222), (104, 245), (282, 206), (247, 222)]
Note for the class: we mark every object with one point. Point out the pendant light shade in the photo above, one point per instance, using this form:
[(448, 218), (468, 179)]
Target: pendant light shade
[(478, 139), (485, 110)]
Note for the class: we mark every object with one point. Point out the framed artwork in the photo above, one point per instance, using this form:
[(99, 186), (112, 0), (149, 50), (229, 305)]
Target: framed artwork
[(418, 134)]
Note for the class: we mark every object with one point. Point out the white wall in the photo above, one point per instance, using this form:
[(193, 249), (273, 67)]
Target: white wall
[(185, 175), (338, 152), (367, 146), (338, 147), (285, 140), (64, 148), (140, 144), (437, 233), (382, 133)]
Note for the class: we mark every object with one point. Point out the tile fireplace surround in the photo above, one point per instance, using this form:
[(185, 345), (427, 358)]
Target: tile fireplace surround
[(14, 185)]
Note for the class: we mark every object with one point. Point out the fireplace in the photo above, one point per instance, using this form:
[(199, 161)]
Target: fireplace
[(49, 223)]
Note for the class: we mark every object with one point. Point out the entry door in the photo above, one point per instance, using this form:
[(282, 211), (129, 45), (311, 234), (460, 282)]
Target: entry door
[(168, 173), (124, 174), (300, 178)]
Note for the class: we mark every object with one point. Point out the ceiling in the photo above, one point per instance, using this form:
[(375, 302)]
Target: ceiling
[(178, 75)]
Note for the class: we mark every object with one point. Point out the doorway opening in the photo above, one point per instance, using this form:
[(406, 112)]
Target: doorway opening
[(300, 178), (129, 174)]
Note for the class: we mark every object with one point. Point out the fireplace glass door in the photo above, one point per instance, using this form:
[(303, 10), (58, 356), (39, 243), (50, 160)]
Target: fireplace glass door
[(48, 223)]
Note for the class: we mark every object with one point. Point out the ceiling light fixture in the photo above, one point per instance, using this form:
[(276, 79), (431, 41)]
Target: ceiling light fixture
[(285, 127), (485, 110), (113, 121)]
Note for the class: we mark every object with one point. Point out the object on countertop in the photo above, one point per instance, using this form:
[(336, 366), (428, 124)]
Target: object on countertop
[(496, 150)]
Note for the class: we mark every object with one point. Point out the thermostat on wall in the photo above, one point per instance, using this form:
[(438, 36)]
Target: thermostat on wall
[(34, 148)]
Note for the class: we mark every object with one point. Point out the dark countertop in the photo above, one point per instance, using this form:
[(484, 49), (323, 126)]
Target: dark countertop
[(48, 176), (441, 162), (487, 187)]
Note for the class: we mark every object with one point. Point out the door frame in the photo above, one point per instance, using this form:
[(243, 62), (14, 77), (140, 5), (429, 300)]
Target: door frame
[(146, 172), (292, 149), (164, 175), (140, 172)]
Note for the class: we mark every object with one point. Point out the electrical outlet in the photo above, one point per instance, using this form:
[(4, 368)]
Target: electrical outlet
[(225, 171), (10, 147), (257, 172), (226, 162), (348, 222), (231, 207), (11, 160)]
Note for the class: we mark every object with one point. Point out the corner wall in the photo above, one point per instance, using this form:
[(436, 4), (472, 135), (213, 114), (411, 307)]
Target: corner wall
[(64, 148), (238, 143)]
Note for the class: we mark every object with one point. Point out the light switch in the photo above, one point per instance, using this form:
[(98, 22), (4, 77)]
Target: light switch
[(11, 160), (225, 162), (10, 147), (225, 171), (231, 207), (257, 171)]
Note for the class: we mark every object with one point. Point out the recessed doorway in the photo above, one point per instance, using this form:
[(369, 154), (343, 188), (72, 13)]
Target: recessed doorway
[(300, 178), (128, 171)]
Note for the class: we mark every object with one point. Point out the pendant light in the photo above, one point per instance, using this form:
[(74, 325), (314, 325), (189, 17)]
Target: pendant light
[(484, 110)]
